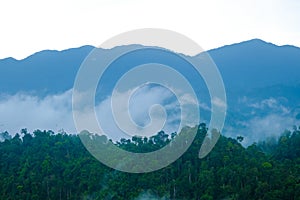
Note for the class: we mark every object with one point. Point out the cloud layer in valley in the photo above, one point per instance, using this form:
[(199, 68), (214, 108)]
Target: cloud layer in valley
[(54, 112), (260, 119)]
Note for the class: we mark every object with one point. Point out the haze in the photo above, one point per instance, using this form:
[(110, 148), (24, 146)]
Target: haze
[(30, 26)]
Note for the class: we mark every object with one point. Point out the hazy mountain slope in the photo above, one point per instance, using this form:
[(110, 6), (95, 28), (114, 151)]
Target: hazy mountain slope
[(244, 66), (43, 72), (255, 63), (261, 80)]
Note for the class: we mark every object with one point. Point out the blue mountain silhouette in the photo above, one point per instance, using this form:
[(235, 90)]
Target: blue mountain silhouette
[(260, 78), (244, 66)]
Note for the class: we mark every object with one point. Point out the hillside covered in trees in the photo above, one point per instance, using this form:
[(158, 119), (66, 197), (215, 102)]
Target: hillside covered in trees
[(48, 165)]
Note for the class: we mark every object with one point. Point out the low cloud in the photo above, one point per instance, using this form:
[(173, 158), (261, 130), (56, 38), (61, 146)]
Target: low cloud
[(142, 117), (54, 112), (272, 125), (151, 109), (261, 119), (31, 112), (270, 103), (149, 195), (261, 127), (219, 102)]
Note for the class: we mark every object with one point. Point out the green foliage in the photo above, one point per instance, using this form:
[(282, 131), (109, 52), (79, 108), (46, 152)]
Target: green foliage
[(45, 165)]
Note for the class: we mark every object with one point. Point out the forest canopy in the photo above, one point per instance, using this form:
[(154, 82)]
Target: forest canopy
[(48, 165)]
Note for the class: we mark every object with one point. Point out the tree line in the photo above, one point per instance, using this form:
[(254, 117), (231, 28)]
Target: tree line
[(48, 165)]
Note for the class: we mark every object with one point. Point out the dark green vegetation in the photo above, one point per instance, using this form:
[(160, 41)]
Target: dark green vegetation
[(45, 165)]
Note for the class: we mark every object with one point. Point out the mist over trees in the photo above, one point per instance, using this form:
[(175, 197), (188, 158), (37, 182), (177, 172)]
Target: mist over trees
[(48, 165)]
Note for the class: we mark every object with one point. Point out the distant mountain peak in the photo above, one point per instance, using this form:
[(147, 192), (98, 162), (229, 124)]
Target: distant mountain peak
[(51, 51), (252, 43)]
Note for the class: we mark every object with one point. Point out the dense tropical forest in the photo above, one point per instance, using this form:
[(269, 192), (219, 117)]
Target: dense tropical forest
[(48, 165)]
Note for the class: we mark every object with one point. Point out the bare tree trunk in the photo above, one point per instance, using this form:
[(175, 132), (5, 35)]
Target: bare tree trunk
[(174, 191), (59, 193), (48, 193)]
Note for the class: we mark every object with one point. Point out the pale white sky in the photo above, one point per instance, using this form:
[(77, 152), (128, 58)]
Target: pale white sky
[(28, 26)]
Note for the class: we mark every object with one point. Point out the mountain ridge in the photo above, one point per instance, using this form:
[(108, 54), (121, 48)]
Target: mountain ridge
[(259, 78), (243, 65), (91, 47), (50, 51)]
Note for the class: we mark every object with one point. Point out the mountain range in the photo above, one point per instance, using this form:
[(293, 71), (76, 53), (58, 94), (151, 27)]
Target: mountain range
[(261, 80), (247, 65)]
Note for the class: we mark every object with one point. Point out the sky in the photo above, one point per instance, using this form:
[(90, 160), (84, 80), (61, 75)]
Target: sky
[(34, 25)]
